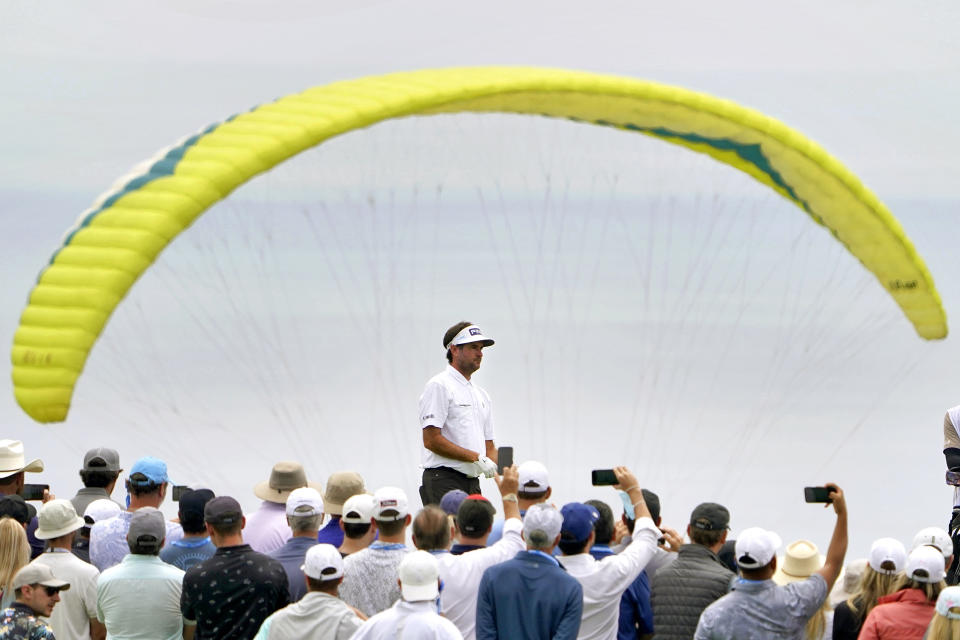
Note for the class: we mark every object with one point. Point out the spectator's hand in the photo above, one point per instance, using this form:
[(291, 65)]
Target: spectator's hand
[(486, 466), (509, 482), (625, 479), (47, 496), (838, 500), (619, 531), (672, 541)]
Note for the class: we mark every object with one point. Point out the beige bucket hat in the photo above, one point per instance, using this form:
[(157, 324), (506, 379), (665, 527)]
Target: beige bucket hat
[(284, 478), (13, 461)]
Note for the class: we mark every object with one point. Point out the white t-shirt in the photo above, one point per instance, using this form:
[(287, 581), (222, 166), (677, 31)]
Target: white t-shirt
[(71, 616), (461, 410)]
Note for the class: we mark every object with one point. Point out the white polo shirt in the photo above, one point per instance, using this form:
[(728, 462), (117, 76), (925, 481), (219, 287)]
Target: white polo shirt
[(78, 604), (461, 576), (462, 411)]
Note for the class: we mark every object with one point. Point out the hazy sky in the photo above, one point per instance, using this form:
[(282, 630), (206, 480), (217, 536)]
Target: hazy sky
[(90, 89)]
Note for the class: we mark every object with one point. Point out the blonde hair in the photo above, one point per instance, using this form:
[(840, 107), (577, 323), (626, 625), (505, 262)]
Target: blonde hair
[(943, 628), (873, 585), (14, 550), (817, 623), (930, 589)]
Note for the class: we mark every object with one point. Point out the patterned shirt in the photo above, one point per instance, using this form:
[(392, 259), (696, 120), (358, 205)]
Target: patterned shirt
[(19, 622), (183, 553), (370, 577), (232, 593), (108, 539), (761, 610)]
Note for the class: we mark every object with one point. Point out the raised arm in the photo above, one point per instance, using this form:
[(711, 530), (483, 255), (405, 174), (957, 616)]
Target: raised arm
[(838, 542)]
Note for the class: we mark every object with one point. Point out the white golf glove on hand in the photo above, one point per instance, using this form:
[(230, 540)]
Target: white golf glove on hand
[(486, 467)]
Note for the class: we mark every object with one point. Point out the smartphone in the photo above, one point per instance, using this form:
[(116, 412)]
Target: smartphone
[(34, 491), (817, 494), (179, 490), (504, 458), (603, 477)]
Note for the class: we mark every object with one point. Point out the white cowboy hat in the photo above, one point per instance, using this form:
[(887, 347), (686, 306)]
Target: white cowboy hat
[(12, 460)]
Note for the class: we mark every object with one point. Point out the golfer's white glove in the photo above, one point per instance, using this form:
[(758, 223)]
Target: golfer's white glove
[(486, 466)]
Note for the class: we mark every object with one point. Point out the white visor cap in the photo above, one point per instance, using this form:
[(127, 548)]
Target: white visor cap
[(472, 333)]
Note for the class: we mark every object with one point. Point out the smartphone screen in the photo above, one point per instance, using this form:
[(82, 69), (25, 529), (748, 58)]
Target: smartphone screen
[(179, 490), (816, 494), (602, 477), (34, 491), (504, 458)]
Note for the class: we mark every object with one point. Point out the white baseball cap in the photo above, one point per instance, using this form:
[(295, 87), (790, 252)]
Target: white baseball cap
[(390, 498), (419, 572), (36, 573), (533, 477), (305, 501), (359, 509), (323, 562), (101, 509), (925, 564), (544, 518), (756, 547), (934, 537), (948, 603), (889, 552), (469, 334)]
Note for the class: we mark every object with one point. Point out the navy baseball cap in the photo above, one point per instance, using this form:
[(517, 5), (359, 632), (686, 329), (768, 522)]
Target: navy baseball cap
[(578, 521), (451, 500)]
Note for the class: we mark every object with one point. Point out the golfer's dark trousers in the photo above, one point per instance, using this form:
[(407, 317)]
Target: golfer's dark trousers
[(438, 480)]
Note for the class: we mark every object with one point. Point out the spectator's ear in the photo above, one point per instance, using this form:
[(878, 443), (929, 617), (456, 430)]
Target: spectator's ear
[(546, 496), (723, 538)]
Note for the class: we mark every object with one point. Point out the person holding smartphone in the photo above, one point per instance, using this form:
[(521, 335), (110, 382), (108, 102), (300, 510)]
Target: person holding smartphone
[(757, 607), (456, 419)]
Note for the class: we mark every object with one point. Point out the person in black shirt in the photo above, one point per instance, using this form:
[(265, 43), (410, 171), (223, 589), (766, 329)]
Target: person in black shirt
[(229, 595)]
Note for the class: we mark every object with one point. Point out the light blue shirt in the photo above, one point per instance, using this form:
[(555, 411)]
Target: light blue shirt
[(140, 598), (183, 554)]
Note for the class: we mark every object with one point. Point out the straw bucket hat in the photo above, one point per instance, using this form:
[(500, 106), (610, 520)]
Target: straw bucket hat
[(800, 561)]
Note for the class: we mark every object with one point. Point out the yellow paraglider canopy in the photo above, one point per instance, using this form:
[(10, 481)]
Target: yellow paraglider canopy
[(121, 235)]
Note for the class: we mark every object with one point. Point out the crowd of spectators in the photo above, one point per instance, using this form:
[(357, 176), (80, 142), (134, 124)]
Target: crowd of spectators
[(340, 561)]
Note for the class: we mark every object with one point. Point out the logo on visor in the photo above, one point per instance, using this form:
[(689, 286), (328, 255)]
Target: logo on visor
[(474, 331)]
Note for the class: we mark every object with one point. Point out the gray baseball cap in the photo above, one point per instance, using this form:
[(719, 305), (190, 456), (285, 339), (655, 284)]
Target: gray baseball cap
[(101, 459), (147, 528)]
